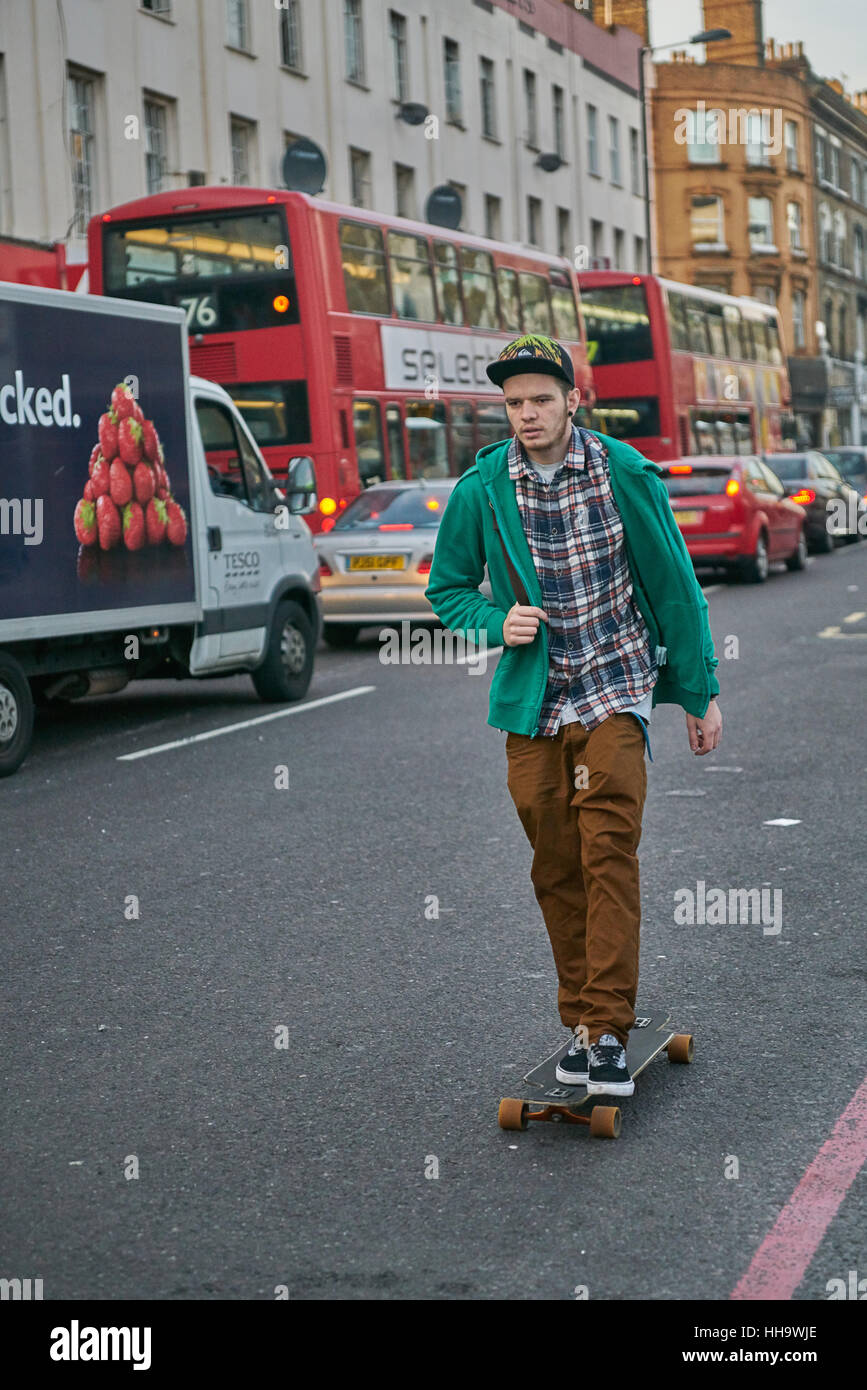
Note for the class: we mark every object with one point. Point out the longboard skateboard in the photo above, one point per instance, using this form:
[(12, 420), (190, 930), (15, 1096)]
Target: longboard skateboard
[(543, 1097)]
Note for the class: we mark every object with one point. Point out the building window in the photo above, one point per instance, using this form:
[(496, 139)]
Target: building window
[(493, 215), (758, 139), (821, 157), (82, 102), (163, 7), (700, 150), (404, 190), (489, 98), (592, 139), (761, 223), (353, 39), (793, 218), (791, 142), (835, 164), (530, 108), (399, 58), (842, 344), (452, 72), (840, 256), (237, 24), (638, 252), (858, 252), (534, 221), (826, 249), (829, 323), (706, 221), (614, 148), (291, 55), (156, 145), (634, 160), (618, 249), (242, 133), (856, 181), (559, 112), (564, 233), (597, 232), (359, 177), (799, 314), (766, 293)]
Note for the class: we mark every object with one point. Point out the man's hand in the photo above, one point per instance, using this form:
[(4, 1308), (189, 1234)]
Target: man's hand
[(522, 624), (705, 734)]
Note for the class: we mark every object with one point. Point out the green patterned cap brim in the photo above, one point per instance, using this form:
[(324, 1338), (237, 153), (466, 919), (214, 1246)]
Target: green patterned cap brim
[(533, 352)]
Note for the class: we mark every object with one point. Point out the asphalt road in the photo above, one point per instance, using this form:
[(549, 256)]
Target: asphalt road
[(148, 1045)]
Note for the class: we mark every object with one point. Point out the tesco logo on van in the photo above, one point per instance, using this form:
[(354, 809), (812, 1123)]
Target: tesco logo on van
[(37, 405)]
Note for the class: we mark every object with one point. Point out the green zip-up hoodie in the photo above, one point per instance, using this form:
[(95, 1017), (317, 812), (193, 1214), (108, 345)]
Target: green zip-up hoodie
[(665, 589)]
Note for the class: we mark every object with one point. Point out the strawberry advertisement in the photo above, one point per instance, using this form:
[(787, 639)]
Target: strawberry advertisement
[(94, 475)]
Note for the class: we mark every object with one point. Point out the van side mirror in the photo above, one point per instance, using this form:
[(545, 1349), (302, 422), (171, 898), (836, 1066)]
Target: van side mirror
[(301, 487)]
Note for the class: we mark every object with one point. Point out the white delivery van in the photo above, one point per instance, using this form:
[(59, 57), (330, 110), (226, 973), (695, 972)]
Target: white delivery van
[(141, 533)]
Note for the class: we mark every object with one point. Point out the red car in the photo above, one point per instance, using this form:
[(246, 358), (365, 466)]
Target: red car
[(735, 515)]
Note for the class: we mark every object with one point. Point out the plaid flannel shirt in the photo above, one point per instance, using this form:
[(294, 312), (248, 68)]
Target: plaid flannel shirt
[(599, 647)]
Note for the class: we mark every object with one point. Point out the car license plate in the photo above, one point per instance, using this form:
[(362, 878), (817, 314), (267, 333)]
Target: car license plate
[(687, 518), (376, 562)]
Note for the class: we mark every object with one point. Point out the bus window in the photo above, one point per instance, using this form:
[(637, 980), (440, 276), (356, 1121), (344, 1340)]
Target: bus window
[(776, 351), (275, 412), (636, 418), (698, 340), (743, 433), (428, 448), (732, 325), (364, 276), (760, 341), (510, 302), (703, 433), (493, 424), (394, 429), (534, 299), (748, 352), (725, 435), (461, 437), (677, 324), (368, 442), (480, 288), (448, 282), (618, 325), (716, 332), (412, 289), (563, 306)]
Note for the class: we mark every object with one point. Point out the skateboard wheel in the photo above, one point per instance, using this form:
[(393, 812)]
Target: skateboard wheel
[(681, 1047), (513, 1114), (605, 1121)]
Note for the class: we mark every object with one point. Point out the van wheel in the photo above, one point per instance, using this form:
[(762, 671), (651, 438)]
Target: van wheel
[(16, 715), (340, 634), (287, 670), (798, 559), (754, 570)]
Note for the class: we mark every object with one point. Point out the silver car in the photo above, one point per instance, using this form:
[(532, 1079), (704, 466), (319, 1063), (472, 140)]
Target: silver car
[(375, 562)]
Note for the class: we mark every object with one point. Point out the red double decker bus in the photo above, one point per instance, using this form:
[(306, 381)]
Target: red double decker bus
[(356, 340), (680, 370)]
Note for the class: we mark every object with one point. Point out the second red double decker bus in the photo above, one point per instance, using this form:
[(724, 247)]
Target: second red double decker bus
[(357, 340)]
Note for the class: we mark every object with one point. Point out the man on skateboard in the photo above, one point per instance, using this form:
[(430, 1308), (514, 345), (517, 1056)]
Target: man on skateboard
[(597, 605)]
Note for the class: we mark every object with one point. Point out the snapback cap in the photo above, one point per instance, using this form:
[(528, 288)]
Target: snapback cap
[(534, 352)]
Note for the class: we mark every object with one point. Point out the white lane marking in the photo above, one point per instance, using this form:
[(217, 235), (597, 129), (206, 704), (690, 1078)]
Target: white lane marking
[(475, 657), (712, 588), (711, 768), (781, 821), (855, 617), (246, 724), (686, 793), (843, 636)]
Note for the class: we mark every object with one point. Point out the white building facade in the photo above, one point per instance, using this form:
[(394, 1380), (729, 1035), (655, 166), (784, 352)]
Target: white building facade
[(103, 101)]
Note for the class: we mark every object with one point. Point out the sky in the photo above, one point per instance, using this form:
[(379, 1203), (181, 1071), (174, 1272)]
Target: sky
[(834, 32)]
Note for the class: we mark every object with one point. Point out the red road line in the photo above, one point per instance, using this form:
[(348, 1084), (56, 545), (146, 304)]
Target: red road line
[(781, 1260)]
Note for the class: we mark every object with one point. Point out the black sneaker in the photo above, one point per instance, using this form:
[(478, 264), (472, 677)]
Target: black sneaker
[(572, 1068), (608, 1074)]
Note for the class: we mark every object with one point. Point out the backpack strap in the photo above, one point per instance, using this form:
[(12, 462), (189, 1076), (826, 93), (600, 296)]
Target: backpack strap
[(517, 583)]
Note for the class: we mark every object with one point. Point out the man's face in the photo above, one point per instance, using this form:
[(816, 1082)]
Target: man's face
[(538, 409)]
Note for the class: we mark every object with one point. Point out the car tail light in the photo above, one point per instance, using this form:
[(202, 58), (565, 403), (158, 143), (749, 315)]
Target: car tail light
[(396, 526), (680, 468), (325, 570), (425, 564), (733, 487), (803, 496)]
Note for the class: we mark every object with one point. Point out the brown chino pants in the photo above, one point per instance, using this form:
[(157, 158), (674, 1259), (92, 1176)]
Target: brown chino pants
[(585, 863)]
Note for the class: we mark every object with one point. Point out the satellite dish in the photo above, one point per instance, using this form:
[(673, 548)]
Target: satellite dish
[(304, 167), (413, 112), (444, 207)]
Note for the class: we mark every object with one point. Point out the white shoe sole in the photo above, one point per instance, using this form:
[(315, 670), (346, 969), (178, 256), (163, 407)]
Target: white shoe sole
[(610, 1088), (571, 1078)]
